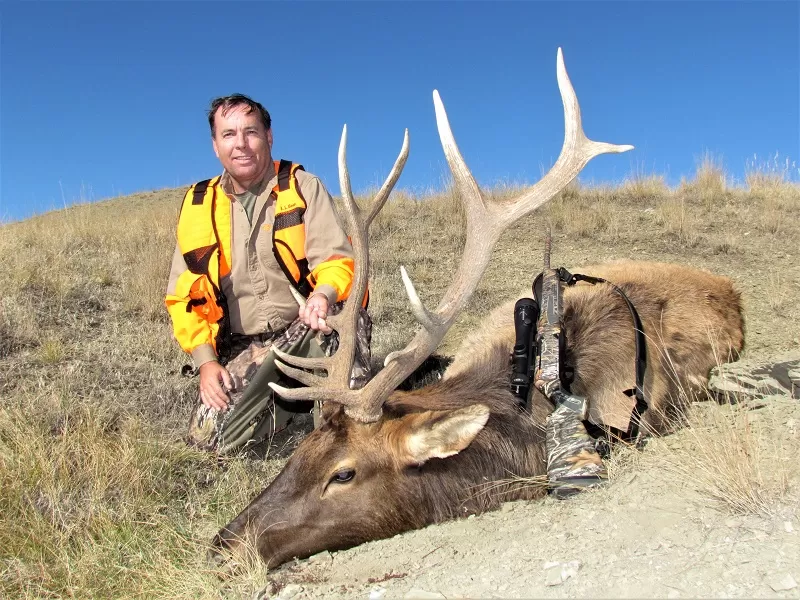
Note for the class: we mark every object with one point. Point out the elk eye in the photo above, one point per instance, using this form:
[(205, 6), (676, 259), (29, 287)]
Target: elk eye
[(343, 476)]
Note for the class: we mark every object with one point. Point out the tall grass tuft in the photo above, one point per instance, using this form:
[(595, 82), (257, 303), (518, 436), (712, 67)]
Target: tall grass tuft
[(729, 461), (641, 186), (770, 174), (96, 503), (675, 214)]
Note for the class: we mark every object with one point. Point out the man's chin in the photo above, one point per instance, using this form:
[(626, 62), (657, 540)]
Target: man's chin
[(245, 175), (246, 171)]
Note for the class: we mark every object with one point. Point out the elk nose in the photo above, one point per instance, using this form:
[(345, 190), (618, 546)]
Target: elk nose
[(220, 556)]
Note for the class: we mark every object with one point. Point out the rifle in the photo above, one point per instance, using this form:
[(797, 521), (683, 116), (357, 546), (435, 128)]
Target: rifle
[(550, 340), (572, 460)]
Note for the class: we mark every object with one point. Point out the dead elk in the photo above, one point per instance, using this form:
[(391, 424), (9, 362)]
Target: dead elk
[(385, 461)]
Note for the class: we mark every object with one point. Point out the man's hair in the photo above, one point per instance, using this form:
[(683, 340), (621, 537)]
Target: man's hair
[(229, 102)]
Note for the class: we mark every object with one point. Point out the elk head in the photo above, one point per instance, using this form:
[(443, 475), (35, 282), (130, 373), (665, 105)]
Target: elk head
[(382, 461)]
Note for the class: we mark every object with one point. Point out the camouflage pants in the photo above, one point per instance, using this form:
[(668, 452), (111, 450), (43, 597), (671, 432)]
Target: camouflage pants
[(753, 380), (253, 414)]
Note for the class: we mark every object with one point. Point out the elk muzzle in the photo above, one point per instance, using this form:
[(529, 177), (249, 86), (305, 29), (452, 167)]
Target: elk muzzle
[(225, 555)]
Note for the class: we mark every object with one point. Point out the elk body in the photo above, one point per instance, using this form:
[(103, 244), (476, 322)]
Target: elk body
[(692, 321), (386, 461)]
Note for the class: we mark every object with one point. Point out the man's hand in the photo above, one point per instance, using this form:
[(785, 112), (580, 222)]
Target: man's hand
[(315, 312), (213, 376)]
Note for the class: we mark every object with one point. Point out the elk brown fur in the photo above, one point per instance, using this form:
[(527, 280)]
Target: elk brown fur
[(692, 321)]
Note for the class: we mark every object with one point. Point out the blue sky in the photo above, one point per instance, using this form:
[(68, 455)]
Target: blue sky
[(99, 99)]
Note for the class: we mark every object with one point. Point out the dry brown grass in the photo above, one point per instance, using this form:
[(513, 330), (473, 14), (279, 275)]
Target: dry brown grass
[(731, 457), (100, 498), (96, 504), (770, 175), (727, 243), (678, 220), (585, 213), (710, 180), (774, 185), (640, 187), (780, 291)]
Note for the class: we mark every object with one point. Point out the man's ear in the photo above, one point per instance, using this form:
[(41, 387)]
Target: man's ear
[(439, 433), (214, 144), (269, 137)]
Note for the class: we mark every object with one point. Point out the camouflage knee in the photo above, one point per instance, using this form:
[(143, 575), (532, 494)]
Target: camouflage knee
[(362, 362), (252, 414), (748, 380)]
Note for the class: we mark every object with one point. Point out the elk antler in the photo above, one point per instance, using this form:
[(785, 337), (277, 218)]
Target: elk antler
[(486, 221), (345, 322)]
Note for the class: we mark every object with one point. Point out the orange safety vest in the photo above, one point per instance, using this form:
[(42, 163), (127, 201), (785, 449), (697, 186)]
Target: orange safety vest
[(288, 231), (198, 308)]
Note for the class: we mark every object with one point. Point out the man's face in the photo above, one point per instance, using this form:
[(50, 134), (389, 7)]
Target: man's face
[(242, 145)]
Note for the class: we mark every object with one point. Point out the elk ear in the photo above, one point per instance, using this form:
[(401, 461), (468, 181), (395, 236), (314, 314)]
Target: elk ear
[(441, 433)]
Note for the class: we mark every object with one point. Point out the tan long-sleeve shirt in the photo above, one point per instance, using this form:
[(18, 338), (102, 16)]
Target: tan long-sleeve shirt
[(256, 290)]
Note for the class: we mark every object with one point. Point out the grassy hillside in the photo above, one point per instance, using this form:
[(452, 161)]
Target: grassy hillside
[(100, 498)]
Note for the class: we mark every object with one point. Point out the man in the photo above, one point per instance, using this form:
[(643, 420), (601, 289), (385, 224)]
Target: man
[(244, 238)]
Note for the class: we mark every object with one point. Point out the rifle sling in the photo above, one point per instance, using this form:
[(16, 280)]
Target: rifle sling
[(639, 341)]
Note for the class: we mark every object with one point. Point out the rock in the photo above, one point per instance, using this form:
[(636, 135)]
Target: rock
[(377, 593), (787, 525), (290, 591), (558, 572), (672, 594), (781, 583), (416, 593), (321, 558), (553, 577), (507, 507), (570, 569)]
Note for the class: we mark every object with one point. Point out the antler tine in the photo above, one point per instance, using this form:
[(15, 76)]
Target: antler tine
[(486, 221), (336, 385), (465, 183), (388, 185), (576, 153)]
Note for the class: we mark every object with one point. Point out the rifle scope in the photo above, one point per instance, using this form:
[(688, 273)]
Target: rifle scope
[(526, 314)]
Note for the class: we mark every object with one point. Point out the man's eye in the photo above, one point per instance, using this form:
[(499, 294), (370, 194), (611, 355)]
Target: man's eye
[(343, 476)]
